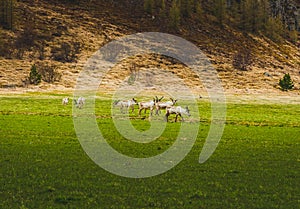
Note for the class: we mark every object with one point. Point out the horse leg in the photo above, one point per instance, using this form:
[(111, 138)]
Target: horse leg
[(178, 114), (151, 111), (167, 115)]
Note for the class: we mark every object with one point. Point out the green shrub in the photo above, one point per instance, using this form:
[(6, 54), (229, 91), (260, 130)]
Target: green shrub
[(48, 72), (286, 83), (34, 76), (274, 29)]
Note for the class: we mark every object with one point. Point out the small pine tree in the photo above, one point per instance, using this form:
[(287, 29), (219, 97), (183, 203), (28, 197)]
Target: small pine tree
[(34, 76), (286, 83), (220, 10), (175, 15), (274, 29)]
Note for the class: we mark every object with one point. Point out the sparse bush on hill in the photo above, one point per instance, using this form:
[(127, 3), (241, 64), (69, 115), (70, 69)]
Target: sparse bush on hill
[(42, 71), (48, 72), (34, 76), (25, 40), (242, 59), (66, 52), (286, 83)]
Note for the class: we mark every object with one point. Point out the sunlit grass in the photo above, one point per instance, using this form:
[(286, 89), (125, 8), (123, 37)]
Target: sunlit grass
[(256, 164)]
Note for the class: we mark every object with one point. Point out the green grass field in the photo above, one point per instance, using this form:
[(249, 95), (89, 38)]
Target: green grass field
[(42, 165)]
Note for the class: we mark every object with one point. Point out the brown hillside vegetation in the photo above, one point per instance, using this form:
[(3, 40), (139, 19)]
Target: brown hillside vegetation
[(93, 23)]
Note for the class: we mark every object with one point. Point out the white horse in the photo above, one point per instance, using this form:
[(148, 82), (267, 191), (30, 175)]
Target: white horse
[(65, 101), (179, 111), (79, 102), (149, 105), (128, 104), (164, 105)]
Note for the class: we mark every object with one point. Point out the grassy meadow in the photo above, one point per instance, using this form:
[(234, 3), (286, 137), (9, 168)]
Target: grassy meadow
[(42, 164)]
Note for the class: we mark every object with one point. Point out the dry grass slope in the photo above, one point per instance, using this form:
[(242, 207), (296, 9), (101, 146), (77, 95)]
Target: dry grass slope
[(98, 23)]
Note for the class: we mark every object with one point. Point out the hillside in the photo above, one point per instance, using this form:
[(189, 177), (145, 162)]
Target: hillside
[(95, 23)]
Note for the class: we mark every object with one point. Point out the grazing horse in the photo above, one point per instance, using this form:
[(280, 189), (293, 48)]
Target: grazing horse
[(149, 105), (79, 102), (128, 104), (65, 101), (146, 106), (164, 105), (179, 111)]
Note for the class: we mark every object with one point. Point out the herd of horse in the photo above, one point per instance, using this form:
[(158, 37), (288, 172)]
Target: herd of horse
[(77, 102), (156, 104)]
